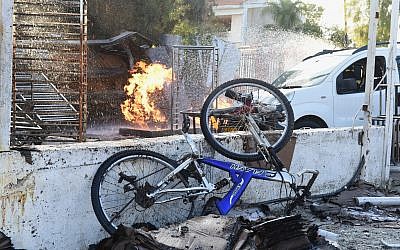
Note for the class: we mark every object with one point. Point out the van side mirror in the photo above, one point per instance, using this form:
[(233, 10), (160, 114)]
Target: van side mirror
[(346, 86)]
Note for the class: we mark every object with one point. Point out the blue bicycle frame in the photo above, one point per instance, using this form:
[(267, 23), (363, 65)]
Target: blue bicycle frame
[(241, 176)]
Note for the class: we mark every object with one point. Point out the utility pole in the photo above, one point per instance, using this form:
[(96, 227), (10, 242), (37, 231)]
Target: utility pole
[(345, 22), (5, 72), (244, 22), (369, 84)]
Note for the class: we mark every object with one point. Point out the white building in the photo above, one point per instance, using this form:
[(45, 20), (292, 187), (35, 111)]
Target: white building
[(241, 14)]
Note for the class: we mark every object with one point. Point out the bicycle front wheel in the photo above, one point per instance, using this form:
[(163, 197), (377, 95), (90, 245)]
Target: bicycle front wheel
[(244, 106), (120, 186)]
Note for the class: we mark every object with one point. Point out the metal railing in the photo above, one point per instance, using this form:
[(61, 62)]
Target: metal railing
[(256, 64), (49, 71)]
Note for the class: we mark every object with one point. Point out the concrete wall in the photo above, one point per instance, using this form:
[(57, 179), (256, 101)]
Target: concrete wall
[(45, 192), (243, 16)]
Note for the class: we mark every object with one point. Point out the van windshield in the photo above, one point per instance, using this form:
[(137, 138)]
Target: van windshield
[(310, 72)]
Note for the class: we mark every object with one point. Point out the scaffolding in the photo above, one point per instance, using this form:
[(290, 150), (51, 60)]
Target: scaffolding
[(49, 101)]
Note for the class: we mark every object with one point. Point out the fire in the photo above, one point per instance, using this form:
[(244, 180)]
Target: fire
[(220, 103), (223, 103), (143, 89)]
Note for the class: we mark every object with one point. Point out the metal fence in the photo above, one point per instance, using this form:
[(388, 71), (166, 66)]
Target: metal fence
[(49, 71), (259, 65), (195, 75)]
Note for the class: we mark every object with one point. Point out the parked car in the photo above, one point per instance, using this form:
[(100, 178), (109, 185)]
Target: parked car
[(327, 89)]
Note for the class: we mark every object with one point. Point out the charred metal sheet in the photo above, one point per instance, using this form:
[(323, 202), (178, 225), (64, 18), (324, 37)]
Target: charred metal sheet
[(288, 232), (145, 133)]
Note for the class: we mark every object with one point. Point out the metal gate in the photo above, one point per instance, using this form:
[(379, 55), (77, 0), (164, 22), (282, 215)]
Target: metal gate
[(195, 75), (49, 71)]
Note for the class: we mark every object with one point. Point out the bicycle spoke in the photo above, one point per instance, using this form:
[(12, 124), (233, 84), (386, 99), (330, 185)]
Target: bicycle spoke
[(120, 211), (122, 207), (268, 107)]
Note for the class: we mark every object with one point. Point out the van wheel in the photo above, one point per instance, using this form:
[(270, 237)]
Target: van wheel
[(307, 124)]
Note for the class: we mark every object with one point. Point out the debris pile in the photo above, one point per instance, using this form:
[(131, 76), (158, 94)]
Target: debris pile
[(220, 232), (370, 224), (328, 223)]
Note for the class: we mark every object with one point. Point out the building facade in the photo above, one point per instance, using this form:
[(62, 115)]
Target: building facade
[(239, 15)]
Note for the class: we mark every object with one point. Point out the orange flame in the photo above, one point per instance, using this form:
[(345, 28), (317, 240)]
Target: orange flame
[(220, 103), (145, 85)]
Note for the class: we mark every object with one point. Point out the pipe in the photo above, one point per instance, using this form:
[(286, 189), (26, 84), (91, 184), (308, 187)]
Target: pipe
[(379, 201), (329, 236), (369, 82), (390, 245)]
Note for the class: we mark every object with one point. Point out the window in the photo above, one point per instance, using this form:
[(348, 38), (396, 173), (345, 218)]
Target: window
[(353, 78), (310, 72)]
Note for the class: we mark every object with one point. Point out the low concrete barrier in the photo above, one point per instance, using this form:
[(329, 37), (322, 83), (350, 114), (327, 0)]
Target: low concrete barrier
[(45, 191)]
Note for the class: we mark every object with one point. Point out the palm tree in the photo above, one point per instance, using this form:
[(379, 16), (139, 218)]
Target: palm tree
[(286, 14)]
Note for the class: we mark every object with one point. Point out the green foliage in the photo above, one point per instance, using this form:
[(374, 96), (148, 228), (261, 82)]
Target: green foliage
[(339, 37), (152, 18), (194, 21), (384, 20), (311, 29), (311, 12), (288, 15), (357, 12)]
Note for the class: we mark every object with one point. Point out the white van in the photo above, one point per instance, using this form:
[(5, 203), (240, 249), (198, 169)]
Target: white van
[(327, 89)]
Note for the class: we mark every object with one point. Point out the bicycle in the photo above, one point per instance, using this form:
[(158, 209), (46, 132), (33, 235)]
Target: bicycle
[(143, 181)]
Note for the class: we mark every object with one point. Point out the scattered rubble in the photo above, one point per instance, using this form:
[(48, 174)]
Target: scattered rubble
[(328, 223), (365, 226)]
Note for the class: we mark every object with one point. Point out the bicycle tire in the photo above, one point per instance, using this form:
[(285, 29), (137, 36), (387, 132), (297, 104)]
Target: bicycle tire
[(254, 88), (132, 162)]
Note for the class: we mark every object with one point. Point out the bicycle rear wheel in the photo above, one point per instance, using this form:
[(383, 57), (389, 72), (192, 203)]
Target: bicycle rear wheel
[(230, 107), (119, 190)]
